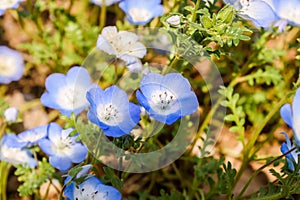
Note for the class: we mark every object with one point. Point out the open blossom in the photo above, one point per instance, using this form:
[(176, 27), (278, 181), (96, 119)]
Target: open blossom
[(11, 65), (91, 189), (291, 114), (111, 111), (291, 157), (268, 13), (15, 154), (66, 93), (140, 12), (33, 136), (107, 2), (167, 98), (123, 44), (8, 4), (62, 149)]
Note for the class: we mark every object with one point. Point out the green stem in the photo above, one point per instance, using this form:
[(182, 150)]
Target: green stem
[(174, 62), (4, 169), (103, 15), (209, 116), (246, 155), (259, 170), (194, 14)]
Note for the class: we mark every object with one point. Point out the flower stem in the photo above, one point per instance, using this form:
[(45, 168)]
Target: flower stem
[(194, 14), (259, 170), (4, 169), (103, 15), (247, 150), (174, 62)]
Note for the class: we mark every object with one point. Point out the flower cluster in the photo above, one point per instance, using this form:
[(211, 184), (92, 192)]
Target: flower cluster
[(268, 13)]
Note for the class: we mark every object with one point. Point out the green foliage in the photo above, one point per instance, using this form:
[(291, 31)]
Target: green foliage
[(237, 113), (110, 177), (33, 178), (268, 76)]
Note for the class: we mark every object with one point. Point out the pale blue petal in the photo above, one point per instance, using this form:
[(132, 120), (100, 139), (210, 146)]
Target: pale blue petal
[(79, 153), (286, 114), (142, 100), (46, 146), (54, 132), (61, 163), (177, 84), (188, 104)]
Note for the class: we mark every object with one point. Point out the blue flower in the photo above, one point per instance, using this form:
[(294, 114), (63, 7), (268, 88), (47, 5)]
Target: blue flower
[(257, 11), (291, 157), (8, 4), (167, 98), (111, 110), (140, 12), (291, 115), (92, 189), (11, 66), (62, 149), (66, 93), (33, 136), (107, 2), (288, 10), (15, 154)]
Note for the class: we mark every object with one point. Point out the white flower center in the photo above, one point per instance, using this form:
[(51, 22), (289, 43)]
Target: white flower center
[(89, 193), (139, 14), (7, 3), (163, 100), (71, 97), (109, 114), (62, 145), (7, 65)]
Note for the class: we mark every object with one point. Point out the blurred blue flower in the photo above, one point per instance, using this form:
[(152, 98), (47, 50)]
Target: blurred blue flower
[(291, 157), (9, 4), (11, 114), (167, 98), (11, 66), (257, 11), (15, 154), (111, 110), (288, 10), (91, 188), (140, 12), (66, 93), (107, 2), (62, 149), (268, 13), (33, 136), (291, 114), (123, 44)]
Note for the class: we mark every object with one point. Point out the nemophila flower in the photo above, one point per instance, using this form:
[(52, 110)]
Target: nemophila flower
[(11, 114), (8, 4), (106, 2), (62, 149), (291, 157), (288, 10), (66, 93), (15, 155), (257, 11), (111, 111), (291, 115), (33, 136), (123, 44), (91, 189), (11, 65), (140, 12), (167, 98)]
